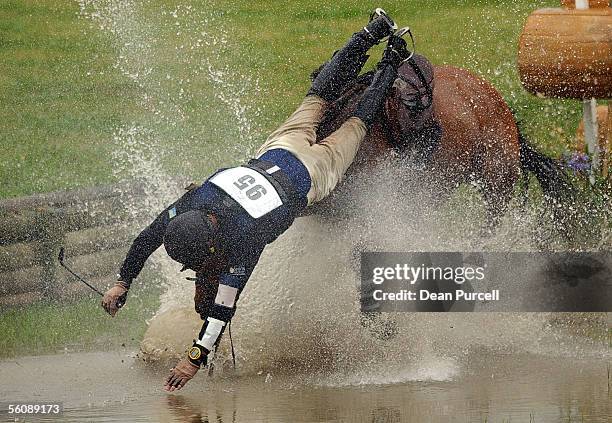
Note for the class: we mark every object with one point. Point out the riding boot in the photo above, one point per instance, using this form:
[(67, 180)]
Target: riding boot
[(375, 95), (344, 66)]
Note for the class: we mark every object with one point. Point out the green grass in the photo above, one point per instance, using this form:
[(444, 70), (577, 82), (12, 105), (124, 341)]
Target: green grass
[(80, 325), (54, 119), (124, 90), (68, 102)]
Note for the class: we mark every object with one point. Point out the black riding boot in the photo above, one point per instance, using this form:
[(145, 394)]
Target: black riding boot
[(346, 63), (375, 95)]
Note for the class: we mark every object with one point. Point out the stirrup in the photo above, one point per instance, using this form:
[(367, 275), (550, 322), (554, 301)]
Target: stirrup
[(378, 12)]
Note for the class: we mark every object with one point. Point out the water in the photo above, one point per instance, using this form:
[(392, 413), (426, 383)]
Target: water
[(485, 388), (303, 351)]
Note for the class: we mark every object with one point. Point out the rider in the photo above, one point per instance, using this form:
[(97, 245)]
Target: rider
[(220, 228)]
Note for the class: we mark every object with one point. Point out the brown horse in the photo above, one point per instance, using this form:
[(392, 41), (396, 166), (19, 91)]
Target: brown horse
[(458, 127)]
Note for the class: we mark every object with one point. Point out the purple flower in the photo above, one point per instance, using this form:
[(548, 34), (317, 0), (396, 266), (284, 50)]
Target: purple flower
[(578, 162)]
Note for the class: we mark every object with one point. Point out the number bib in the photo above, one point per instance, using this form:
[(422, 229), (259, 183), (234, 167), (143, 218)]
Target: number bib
[(250, 189)]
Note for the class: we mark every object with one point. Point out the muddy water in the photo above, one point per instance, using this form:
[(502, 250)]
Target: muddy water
[(113, 386), (302, 352)]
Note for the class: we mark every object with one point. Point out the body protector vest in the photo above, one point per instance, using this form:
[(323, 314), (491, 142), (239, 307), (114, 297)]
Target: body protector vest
[(264, 192)]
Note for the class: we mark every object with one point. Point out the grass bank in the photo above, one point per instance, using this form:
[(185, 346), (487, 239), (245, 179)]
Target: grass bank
[(77, 326), (89, 88)]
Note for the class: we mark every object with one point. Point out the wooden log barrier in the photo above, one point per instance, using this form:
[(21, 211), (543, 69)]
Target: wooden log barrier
[(95, 224), (567, 53)]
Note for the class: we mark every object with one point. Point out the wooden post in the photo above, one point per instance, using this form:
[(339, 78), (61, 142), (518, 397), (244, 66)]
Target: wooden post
[(49, 245)]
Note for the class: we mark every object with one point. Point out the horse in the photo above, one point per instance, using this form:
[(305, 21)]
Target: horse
[(458, 127)]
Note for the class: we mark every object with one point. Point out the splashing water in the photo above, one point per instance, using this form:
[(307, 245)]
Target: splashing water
[(300, 310), (145, 45)]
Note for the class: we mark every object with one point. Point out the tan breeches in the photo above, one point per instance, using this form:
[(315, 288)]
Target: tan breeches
[(326, 161)]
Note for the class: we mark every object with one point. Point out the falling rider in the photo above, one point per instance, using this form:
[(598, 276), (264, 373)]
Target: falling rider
[(220, 228)]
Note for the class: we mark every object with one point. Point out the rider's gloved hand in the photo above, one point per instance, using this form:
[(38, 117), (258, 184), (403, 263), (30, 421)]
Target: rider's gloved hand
[(115, 298), (182, 373)]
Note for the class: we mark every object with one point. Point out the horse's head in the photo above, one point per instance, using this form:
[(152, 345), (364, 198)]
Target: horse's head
[(408, 108)]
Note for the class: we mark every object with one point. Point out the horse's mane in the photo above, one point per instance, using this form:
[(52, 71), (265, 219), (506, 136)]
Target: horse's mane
[(338, 111)]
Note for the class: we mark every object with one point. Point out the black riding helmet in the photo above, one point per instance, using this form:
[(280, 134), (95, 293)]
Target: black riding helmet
[(190, 238)]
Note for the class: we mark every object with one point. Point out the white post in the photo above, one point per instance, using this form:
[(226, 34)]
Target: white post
[(589, 108), (589, 111), (582, 4), (606, 155)]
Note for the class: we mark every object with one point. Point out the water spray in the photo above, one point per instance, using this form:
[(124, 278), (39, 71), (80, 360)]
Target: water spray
[(60, 257)]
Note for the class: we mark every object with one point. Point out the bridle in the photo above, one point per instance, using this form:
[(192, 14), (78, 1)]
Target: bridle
[(415, 107), (418, 105)]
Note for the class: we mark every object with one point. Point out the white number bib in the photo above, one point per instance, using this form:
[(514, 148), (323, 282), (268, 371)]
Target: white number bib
[(250, 189)]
